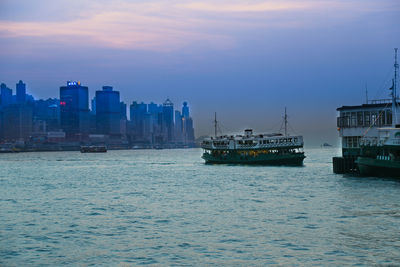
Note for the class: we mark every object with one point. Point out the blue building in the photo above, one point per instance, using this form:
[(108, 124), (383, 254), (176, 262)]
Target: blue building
[(185, 110), (168, 120), (17, 122), (6, 95), (108, 112), (21, 92), (138, 113), (49, 112), (74, 110)]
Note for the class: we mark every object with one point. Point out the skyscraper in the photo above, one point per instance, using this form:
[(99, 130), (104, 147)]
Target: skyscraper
[(108, 112), (138, 113), (74, 110), (6, 95), (185, 110), (21, 92), (18, 122), (178, 127), (187, 125), (168, 119)]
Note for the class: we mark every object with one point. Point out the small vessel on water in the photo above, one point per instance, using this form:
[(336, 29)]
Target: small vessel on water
[(93, 149), (259, 149), (380, 155)]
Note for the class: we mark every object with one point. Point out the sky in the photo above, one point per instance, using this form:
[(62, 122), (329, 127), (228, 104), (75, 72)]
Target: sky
[(245, 60)]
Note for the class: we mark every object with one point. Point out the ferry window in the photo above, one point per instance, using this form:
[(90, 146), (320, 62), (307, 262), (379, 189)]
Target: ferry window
[(353, 119), (367, 118), (349, 142), (346, 119), (360, 119), (355, 141)]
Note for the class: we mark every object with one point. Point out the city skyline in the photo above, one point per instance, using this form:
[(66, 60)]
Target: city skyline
[(67, 122), (246, 61)]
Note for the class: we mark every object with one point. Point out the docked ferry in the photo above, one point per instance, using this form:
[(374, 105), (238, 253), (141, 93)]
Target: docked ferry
[(250, 148), (371, 136)]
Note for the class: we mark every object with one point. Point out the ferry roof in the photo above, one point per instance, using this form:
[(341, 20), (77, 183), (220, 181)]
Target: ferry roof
[(365, 106)]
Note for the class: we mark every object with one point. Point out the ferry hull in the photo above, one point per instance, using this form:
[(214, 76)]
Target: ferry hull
[(381, 168), (295, 159)]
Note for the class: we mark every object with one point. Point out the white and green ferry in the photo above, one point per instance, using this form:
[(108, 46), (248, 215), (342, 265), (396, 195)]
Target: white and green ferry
[(258, 149)]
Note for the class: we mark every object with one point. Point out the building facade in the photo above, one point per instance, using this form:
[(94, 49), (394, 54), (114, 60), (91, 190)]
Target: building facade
[(108, 112), (74, 110)]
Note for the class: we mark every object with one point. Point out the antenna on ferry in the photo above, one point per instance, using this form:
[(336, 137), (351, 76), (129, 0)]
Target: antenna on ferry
[(394, 90), (285, 122), (215, 124)]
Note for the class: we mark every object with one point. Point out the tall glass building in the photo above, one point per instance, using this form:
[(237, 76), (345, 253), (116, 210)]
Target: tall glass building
[(21, 92), (108, 112), (74, 110), (168, 119)]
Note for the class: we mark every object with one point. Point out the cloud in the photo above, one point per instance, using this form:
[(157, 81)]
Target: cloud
[(173, 25), (124, 29), (246, 7)]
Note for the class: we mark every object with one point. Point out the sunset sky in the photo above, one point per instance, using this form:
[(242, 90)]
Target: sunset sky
[(246, 60)]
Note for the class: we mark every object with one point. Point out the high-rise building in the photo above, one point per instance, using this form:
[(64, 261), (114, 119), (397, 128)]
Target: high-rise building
[(138, 113), (189, 131), (21, 92), (93, 106), (187, 125), (168, 119), (6, 95), (185, 110), (178, 127), (122, 106), (108, 111), (74, 110), (48, 111), (17, 122)]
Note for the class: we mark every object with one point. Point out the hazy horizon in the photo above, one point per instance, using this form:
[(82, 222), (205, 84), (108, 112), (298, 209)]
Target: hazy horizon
[(246, 61)]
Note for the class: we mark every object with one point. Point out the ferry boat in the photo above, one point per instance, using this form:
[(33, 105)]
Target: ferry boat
[(370, 136), (93, 149), (260, 149)]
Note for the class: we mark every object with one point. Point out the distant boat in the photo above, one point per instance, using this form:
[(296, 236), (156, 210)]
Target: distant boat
[(93, 149), (326, 145)]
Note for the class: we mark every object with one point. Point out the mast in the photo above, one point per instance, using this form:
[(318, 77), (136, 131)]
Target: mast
[(394, 91), (215, 125), (285, 122)]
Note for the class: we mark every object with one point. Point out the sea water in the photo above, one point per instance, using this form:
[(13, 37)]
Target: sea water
[(166, 207)]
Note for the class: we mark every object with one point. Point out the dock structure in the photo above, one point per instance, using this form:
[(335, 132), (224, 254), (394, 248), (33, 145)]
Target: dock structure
[(355, 123)]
